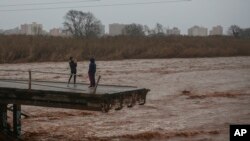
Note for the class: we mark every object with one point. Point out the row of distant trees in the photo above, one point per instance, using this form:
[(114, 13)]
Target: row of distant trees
[(81, 24), (140, 30), (236, 31)]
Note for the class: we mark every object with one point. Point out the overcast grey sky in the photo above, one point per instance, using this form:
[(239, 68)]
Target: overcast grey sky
[(183, 14)]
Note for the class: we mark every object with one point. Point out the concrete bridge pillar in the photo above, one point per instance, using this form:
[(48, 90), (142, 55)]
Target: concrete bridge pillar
[(3, 117), (16, 120)]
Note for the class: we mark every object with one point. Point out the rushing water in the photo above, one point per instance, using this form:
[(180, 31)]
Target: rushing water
[(216, 94)]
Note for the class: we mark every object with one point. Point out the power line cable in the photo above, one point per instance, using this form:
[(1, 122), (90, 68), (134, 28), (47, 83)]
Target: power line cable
[(100, 5), (48, 3)]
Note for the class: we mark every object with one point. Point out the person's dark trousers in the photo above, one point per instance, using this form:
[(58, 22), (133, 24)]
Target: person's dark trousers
[(92, 79), (72, 73)]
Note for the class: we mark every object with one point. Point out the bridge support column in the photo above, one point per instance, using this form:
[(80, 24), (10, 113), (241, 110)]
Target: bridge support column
[(16, 120), (3, 117)]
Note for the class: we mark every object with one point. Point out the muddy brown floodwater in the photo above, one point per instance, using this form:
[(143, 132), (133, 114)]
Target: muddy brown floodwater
[(190, 99)]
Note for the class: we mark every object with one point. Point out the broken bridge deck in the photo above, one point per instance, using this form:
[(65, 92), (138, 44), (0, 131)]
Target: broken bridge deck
[(59, 95), (79, 96)]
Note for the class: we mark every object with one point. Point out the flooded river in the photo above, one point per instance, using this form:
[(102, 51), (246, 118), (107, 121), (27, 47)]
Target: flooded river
[(190, 99)]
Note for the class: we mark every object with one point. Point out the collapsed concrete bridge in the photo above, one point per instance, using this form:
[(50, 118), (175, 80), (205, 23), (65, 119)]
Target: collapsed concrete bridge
[(59, 95)]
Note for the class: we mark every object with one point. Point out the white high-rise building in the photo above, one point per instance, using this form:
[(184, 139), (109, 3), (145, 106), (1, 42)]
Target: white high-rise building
[(32, 29), (56, 32), (216, 30), (116, 29), (197, 31), (25, 29), (174, 31)]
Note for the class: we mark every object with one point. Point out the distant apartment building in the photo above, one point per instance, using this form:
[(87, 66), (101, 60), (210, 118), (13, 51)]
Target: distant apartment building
[(32, 29), (116, 29), (173, 31), (56, 32), (216, 30), (25, 29), (197, 31)]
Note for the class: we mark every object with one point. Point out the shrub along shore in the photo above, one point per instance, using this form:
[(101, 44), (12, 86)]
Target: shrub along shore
[(22, 48)]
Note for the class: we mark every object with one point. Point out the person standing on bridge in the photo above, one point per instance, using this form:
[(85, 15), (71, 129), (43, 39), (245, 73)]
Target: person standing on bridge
[(73, 66), (91, 72)]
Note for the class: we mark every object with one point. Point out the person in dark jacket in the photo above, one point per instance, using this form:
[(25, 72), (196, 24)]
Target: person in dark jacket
[(73, 65), (91, 72)]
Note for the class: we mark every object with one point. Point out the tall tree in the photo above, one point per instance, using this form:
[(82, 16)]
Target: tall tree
[(159, 29), (81, 24), (234, 30), (133, 30)]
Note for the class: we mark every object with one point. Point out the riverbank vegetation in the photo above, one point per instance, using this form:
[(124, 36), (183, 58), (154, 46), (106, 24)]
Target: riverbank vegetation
[(22, 48)]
